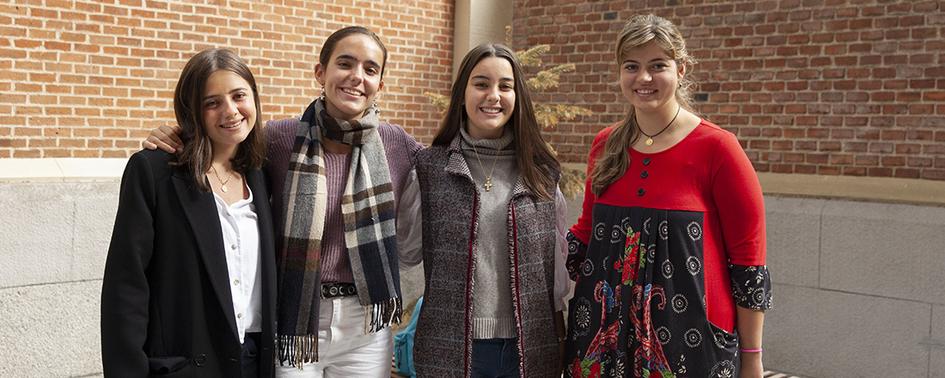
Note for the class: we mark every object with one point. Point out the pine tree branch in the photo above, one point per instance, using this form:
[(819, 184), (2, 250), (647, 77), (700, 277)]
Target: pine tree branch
[(441, 102), (550, 115)]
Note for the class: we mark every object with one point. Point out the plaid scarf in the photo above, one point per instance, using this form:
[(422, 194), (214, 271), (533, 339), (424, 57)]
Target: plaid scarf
[(368, 211)]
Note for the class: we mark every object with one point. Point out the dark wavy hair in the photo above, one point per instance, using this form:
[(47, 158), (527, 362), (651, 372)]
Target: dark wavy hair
[(536, 162), (197, 153)]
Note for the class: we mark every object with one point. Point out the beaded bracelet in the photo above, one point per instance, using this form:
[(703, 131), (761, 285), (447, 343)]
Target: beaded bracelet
[(755, 350)]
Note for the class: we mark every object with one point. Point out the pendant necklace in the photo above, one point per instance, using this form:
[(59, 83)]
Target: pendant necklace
[(222, 182), (487, 184), (649, 138)]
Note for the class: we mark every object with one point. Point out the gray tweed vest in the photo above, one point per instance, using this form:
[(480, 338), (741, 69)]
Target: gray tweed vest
[(443, 341)]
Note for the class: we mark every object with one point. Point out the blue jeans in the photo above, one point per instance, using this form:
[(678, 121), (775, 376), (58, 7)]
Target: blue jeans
[(250, 354), (495, 358)]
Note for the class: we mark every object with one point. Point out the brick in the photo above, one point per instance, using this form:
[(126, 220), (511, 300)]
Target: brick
[(933, 174), (805, 71), (906, 173)]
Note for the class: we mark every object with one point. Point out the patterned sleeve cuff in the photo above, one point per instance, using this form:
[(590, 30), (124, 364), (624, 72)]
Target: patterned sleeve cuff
[(751, 286), (577, 251)]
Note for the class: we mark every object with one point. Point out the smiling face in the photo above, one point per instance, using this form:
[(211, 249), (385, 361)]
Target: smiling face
[(490, 98), (649, 78), (228, 110), (352, 77)]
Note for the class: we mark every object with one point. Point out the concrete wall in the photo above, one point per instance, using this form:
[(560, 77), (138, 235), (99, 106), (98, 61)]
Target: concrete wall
[(858, 285), (53, 242), (859, 289)]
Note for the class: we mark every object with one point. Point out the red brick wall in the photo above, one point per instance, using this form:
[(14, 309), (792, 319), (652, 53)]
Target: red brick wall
[(826, 87), (87, 79)]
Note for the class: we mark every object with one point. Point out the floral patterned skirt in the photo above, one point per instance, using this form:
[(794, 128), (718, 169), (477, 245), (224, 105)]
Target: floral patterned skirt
[(639, 303)]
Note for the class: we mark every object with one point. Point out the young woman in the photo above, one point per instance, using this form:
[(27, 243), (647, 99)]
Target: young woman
[(189, 281), (336, 176), (669, 252), (495, 275)]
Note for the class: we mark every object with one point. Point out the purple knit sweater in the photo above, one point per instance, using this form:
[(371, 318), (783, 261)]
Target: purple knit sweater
[(401, 150)]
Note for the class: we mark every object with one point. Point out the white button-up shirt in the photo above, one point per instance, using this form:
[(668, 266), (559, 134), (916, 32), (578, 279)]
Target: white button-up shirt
[(241, 243)]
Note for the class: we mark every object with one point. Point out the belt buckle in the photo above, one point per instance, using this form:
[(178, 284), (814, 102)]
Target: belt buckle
[(333, 290)]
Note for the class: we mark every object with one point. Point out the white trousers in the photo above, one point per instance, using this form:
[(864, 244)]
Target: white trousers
[(344, 348)]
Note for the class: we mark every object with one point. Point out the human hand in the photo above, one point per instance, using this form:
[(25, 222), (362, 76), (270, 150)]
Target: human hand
[(165, 137), (751, 366)]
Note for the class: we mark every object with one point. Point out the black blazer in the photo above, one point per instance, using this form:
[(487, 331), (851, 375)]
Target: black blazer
[(166, 304)]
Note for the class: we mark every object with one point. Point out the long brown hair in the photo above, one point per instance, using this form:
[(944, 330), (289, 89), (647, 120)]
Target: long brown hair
[(638, 31), (536, 163), (197, 153)]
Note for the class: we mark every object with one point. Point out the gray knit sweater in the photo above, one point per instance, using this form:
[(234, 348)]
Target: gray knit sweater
[(492, 297), (450, 203)]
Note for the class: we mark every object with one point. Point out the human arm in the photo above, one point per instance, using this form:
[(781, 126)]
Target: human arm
[(740, 204), (125, 288), (750, 324), (579, 235), (165, 137), (562, 285), (409, 224)]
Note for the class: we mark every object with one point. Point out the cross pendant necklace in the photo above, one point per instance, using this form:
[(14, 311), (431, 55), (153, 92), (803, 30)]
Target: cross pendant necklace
[(487, 183)]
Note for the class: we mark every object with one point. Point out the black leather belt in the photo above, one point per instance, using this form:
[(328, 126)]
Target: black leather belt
[(338, 289)]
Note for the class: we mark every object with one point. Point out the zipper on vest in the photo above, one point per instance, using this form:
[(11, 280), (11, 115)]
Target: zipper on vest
[(467, 334), (516, 290)]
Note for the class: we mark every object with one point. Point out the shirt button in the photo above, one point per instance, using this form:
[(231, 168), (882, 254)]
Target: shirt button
[(232, 246), (646, 161), (239, 316), (236, 282), (641, 192), (644, 174)]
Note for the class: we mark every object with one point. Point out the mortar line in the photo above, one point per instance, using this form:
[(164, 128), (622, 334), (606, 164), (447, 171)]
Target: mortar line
[(858, 293), (49, 283)]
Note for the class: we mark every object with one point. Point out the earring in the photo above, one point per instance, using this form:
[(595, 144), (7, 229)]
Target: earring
[(321, 96), (377, 110)]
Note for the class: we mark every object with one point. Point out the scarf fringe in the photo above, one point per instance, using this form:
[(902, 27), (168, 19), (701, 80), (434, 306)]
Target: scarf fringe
[(297, 349), (383, 314)]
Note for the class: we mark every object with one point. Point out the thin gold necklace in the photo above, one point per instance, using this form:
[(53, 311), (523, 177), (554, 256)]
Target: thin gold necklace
[(487, 184), (649, 138), (222, 182)]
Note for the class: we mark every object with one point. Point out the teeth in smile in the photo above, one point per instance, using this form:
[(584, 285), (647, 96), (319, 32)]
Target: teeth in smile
[(491, 110), (351, 91), (646, 91), (232, 124)]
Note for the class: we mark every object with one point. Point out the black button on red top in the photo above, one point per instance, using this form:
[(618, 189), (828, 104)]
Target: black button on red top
[(641, 192), (646, 161), (644, 174)]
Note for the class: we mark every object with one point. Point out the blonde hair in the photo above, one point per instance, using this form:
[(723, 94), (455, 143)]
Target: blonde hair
[(638, 31)]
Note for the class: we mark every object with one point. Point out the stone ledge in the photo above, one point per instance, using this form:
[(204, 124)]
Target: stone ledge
[(881, 189), (61, 170), (875, 189)]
